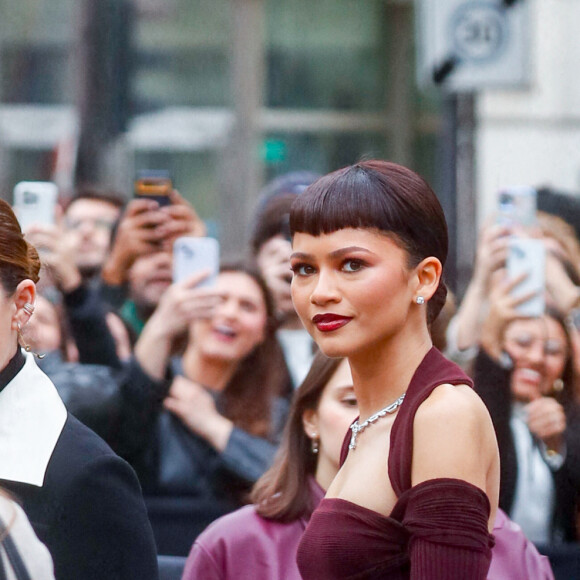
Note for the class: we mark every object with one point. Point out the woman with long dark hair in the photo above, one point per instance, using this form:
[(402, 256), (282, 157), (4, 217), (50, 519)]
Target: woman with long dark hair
[(202, 422), (524, 373), (417, 492)]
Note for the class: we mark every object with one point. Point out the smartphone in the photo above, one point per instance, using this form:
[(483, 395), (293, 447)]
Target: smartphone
[(35, 203), (517, 206), (154, 184), (191, 255), (528, 255)]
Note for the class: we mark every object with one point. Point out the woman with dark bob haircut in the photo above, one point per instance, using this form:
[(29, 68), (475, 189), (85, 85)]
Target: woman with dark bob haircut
[(417, 492)]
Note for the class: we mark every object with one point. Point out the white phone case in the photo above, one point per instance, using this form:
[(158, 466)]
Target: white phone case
[(35, 203), (528, 255), (194, 254)]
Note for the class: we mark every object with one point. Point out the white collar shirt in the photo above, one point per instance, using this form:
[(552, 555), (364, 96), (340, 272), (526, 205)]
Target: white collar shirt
[(32, 417), (535, 490)]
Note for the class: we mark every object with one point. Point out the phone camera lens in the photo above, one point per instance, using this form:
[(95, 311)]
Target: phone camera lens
[(505, 199)]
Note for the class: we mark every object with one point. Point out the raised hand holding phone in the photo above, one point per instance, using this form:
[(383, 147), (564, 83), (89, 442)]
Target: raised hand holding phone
[(504, 299), (183, 302), (183, 221)]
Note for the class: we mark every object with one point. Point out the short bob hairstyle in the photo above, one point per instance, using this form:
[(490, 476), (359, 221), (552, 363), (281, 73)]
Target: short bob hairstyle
[(379, 195)]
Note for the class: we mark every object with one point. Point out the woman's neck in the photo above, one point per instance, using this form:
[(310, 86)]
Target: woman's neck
[(8, 355), (213, 373), (326, 471), (382, 374)]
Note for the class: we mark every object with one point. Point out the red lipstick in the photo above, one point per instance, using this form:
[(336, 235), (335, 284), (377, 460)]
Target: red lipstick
[(330, 322)]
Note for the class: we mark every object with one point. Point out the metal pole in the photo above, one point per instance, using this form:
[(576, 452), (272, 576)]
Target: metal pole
[(446, 182), (456, 188), (401, 24), (466, 204), (102, 89), (242, 165)]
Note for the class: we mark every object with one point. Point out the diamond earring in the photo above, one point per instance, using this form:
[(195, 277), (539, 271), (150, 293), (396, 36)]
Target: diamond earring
[(420, 300), (314, 445)]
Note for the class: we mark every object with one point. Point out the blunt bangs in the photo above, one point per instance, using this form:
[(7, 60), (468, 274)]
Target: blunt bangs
[(377, 195)]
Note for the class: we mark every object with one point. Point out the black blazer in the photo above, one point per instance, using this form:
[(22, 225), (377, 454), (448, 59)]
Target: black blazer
[(90, 512)]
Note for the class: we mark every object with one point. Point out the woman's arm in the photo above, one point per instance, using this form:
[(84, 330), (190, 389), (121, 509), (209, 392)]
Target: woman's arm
[(145, 381), (455, 482), (247, 456), (141, 399), (84, 306), (145, 228), (493, 366), (195, 407), (137, 234), (454, 438), (241, 453), (491, 256), (87, 315), (182, 303)]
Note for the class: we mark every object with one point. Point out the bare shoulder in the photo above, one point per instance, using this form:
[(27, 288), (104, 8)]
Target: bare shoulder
[(453, 436), (456, 405)]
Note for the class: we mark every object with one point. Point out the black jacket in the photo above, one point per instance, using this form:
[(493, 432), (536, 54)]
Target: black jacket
[(84, 502), (90, 512), (177, 467)]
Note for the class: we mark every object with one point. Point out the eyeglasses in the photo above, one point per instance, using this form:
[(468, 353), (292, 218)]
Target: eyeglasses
[(551, 346), (97, 223)]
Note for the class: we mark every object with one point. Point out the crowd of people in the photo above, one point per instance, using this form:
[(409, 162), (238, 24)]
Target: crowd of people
[(326, 409)]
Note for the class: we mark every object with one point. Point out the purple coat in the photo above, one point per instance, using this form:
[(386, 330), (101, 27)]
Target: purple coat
[(245, 546), (514, 556)]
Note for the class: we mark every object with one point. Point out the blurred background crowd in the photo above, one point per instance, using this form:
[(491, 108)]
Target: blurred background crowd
[(245, 103)]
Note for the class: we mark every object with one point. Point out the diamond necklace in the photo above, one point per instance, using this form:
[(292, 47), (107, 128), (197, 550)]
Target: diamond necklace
[(357, 428)]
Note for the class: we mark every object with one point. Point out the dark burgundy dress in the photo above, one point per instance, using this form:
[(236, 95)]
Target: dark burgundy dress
[(437, 529)]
